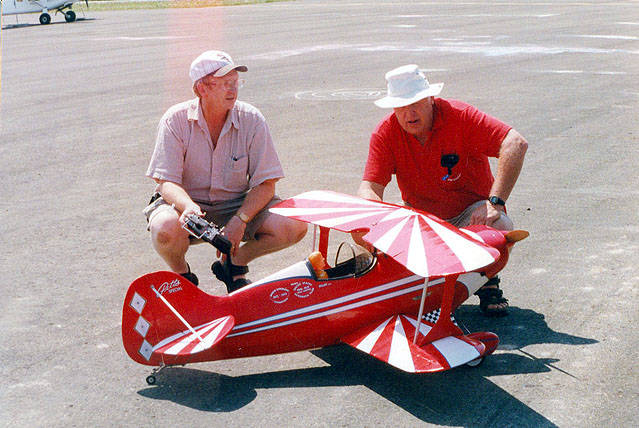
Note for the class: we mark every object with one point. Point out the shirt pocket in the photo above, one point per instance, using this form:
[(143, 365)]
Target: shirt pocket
[(236, 174), (457, 178)]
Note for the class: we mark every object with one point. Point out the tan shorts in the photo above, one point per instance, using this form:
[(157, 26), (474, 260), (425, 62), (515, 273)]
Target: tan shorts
[(218, 213)]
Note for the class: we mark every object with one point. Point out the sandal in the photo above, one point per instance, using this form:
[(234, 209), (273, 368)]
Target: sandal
[(190, 276), (490, 294), (226, 271)]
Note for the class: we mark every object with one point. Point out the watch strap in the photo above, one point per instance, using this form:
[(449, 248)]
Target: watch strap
[(243, 217), (496, 200)]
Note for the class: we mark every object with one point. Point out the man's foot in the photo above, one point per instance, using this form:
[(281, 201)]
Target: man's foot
[(190, 276), (491, 300), (232, 275)]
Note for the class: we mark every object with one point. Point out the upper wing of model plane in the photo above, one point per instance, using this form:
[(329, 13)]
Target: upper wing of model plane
[(423, 243)]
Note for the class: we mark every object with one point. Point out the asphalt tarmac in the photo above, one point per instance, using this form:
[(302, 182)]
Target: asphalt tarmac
[(79, 109)]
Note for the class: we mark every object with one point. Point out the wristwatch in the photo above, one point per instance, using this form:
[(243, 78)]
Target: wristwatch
[(496, 200), (243, 217)]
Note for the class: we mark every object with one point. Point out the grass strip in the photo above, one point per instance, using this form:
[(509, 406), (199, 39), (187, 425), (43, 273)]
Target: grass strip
[(99, 5)]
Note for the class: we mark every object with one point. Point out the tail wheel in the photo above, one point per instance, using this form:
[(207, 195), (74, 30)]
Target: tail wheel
[(45, 19), (69, 16)]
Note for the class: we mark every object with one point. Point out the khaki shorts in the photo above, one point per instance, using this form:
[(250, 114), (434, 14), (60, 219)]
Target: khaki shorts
[(218, 213)]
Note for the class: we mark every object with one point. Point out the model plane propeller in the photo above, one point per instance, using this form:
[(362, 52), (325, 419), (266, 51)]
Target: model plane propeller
[(374, 302)]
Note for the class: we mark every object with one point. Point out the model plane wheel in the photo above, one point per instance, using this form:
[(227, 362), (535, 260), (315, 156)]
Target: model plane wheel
[(69, 16), (475, 362), (151, 379), (45, 19)]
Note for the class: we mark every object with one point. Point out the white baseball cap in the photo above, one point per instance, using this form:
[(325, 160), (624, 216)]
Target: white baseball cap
[(407, 85), (216, 62)]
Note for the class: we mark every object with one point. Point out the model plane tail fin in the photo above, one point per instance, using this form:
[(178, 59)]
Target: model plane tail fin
[(391, 341), (163, 321)]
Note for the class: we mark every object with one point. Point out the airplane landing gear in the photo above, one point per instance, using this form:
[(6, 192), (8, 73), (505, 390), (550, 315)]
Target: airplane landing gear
[(475, 362), (45, 18), (69, 16), (152, 379)]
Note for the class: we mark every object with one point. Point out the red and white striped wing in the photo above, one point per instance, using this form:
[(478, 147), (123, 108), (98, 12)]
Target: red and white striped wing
[(423, 243), (391, 341)]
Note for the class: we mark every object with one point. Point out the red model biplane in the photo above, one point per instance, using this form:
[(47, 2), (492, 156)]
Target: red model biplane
[(395, 304)]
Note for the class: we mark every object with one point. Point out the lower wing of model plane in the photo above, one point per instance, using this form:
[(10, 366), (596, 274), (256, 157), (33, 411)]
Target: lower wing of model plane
[(391, 341)]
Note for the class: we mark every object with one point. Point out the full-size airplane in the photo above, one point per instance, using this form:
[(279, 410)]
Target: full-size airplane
[(16, 7)]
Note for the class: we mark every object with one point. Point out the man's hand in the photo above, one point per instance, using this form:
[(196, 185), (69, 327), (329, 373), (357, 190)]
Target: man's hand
[(234, 231), (486, 214), (192, 208)]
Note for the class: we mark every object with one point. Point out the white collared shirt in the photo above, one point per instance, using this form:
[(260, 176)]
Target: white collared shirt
[(243, 157)]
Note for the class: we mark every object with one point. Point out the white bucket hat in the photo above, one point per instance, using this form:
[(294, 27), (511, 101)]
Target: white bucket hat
[(407, 85), (217, 62)]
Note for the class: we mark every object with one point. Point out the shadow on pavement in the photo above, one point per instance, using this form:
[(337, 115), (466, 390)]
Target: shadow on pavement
[(463, 396), (37, 24)]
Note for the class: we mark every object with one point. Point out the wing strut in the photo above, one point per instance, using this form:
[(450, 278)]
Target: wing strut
[(421, 310), (444, 326), (177, 314)]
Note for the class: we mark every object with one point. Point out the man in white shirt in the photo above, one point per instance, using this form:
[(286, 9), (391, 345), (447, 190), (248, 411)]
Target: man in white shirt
[(214, 157)]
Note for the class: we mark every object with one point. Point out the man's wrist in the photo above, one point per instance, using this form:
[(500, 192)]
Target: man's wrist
[(496, 201), (243, 217)]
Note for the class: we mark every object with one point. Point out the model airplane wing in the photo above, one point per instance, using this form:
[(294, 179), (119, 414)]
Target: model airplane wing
[(391, 341), (423, 243)]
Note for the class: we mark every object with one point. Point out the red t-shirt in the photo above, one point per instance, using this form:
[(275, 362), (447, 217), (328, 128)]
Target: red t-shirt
[(458, 128)]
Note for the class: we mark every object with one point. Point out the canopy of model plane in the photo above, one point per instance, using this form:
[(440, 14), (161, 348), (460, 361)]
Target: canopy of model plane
[(423, 243)]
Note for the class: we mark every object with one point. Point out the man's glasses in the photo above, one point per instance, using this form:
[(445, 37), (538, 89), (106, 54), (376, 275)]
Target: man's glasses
[(229, 84)]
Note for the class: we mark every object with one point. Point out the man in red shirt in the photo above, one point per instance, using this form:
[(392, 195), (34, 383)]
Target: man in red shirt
[(438, 150)]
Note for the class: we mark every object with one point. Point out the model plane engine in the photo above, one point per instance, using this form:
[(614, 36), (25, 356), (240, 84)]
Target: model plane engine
[(502, 240)]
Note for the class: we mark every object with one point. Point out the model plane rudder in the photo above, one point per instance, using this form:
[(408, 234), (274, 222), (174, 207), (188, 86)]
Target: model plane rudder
[(166, 320)]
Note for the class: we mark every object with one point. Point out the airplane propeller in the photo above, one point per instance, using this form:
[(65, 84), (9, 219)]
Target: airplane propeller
[(516, 235)]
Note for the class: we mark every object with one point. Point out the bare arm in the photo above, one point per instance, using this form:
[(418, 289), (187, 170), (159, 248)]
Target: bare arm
[(256, 199), (173, 193), (375, 192), (371, 190), (511, 159)]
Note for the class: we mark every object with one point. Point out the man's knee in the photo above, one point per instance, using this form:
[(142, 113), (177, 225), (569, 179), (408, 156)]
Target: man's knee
[(503, 223), (166, 230), (298, 230), (285, 230)]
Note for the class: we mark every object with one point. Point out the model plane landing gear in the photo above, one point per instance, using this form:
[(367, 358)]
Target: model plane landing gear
[(152, 378), (475, 362), (45, 19), (69, 16)]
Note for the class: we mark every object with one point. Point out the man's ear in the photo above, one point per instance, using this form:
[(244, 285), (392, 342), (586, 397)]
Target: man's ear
[(196, 89)]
